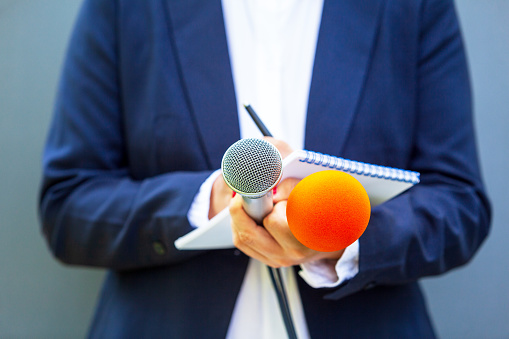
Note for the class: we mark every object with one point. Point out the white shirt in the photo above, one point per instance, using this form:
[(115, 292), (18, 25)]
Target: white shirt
[(272, 45)]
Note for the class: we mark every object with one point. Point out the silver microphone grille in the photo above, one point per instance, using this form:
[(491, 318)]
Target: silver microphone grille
[(252, 166)]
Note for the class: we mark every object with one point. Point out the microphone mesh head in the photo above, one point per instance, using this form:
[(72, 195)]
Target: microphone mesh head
[(252, 166)]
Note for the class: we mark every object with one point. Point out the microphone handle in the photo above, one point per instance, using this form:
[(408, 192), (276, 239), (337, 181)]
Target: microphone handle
[(258, 208)]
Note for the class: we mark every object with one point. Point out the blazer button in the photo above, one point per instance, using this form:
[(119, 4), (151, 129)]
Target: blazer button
[(370, 285), (159, 248)]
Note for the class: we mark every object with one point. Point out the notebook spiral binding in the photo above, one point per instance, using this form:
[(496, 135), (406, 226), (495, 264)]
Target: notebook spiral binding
[(361, 168)]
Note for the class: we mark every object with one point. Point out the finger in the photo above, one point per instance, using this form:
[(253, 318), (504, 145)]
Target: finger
[(294, 251), (276, 223), (258, 249), (284, 189), (250, 238), (260, 245), (273, 244)]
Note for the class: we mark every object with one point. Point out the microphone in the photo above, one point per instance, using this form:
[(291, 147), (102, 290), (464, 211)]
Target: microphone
[(328, 210), (252, 168)]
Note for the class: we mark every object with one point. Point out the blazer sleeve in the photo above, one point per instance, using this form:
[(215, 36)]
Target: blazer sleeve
[(93, 212), (440, 223)]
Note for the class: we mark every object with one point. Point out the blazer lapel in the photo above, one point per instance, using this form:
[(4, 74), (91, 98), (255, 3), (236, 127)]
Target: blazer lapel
[(200, 40), (347, 34)]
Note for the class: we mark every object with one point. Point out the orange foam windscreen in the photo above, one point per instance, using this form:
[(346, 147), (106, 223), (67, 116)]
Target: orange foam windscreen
[(328, 210)]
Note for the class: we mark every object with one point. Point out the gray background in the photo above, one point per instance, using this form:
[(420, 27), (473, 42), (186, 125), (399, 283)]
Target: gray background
[(40, 298)]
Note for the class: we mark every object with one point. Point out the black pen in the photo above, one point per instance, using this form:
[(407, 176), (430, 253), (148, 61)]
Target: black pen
[(257, 120), (275, 273)]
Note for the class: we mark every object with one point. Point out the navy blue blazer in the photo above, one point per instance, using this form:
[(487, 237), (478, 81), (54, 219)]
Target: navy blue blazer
[(146, 108)]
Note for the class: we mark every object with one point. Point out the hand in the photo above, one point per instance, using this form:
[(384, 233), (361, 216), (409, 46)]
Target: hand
[(282, 146), (220, 196), (272, 244)]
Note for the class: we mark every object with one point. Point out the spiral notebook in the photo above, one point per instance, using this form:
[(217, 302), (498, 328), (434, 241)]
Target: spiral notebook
[(380, 182)]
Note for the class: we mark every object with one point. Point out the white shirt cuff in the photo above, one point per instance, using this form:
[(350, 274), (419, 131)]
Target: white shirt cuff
[(198, 214), (321, 273)]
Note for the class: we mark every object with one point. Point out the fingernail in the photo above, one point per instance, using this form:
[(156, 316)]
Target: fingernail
[(233, 194), (274, 190)]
